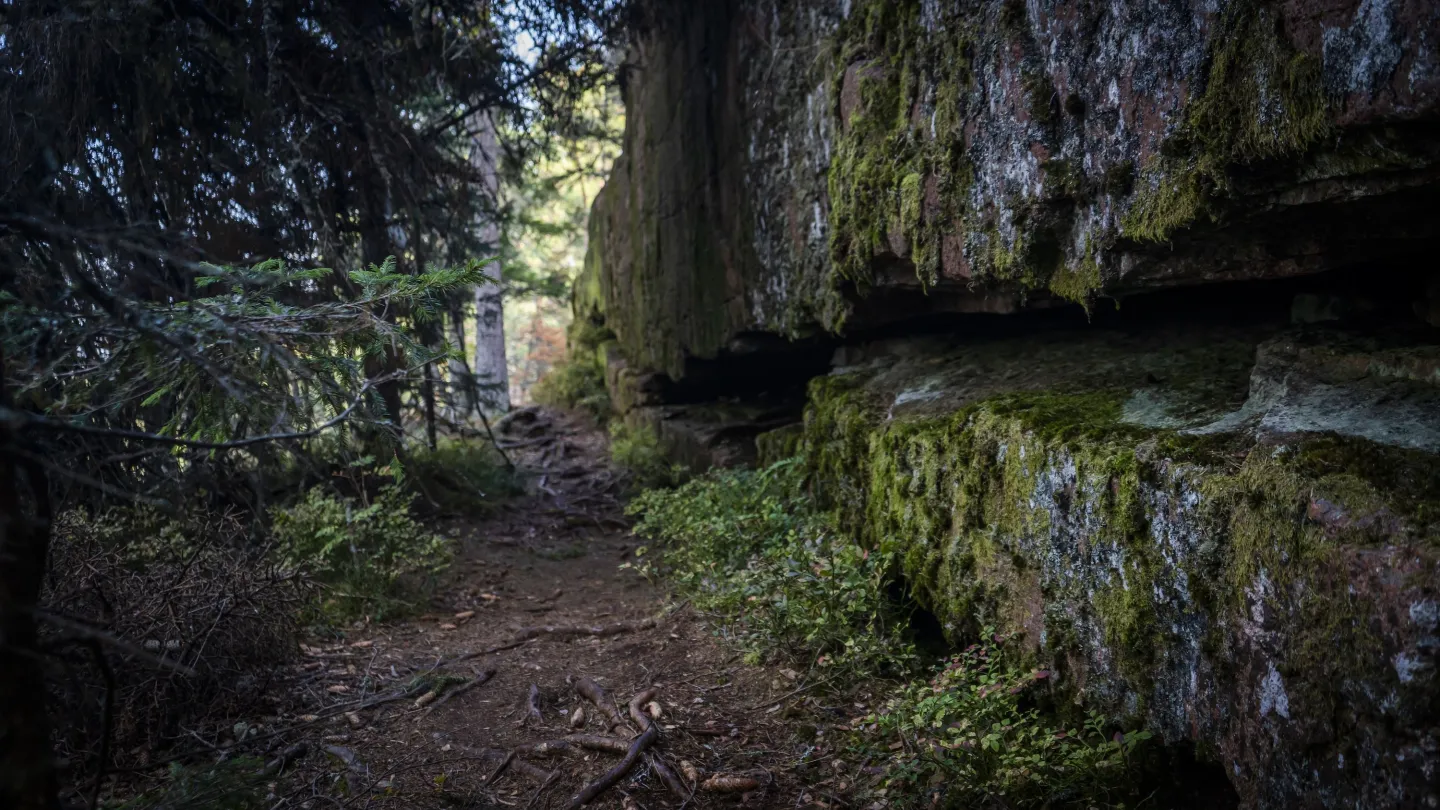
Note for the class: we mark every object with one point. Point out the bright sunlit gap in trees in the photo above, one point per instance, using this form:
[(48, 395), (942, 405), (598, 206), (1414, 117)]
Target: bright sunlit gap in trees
[(546, 238)]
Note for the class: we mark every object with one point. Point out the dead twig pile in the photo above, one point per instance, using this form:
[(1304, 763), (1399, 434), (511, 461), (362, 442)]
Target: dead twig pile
[(164, 637)]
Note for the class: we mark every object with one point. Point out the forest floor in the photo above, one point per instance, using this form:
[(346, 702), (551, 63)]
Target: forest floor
[(537, 596)]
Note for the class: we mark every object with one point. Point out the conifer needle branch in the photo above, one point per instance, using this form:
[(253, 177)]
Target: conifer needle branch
[(23, 419)]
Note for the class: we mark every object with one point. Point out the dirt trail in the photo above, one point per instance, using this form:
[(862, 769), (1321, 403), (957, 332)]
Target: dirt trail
[(547, 560)]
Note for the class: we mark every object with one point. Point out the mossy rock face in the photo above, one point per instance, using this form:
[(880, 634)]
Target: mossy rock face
[(778, 444), (793, 167), (1264, 593)]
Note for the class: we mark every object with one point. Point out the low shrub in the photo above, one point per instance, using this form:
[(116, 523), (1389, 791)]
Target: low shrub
[(638, 450), (750, 547), (212, 615), (574, 383), (577, 382), (967, 738), (461, 475), (373, 558)]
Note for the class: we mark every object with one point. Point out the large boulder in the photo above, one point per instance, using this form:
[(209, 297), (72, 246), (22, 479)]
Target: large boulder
[(1226, 533), (810, 166), (1230, 537)]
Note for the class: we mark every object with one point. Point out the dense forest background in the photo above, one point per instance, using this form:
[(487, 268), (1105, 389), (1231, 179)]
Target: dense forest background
[(240, 244)]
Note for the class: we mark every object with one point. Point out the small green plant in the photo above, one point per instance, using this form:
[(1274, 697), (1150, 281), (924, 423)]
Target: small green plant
[(969, 735), (578, 381), (233, 784), (575, 383), (461, 475), (371, 555), (749, 546), (638, 449)]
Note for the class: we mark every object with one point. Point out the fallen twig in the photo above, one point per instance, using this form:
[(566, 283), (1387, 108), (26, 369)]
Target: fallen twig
[(353, 706), (705, 732), (528, 634), (526, 442), (792, 693), (470, 684), (354, 768), (500, 769), (286, 757), (509, 645), (544, 786)]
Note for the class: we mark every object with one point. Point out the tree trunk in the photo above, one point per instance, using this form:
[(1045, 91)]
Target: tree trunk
[(27, 780), (492, 382), (460, 399), (427, 390)]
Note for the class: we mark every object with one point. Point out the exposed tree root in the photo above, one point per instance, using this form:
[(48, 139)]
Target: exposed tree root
[(728, 783), (546, 748), (532, 705), (528, 634), (592, 692), (657, 764), (564, 631), (533, 770), (639, 748), (596, 742), (501, 768), (615, 774), (637, 710)]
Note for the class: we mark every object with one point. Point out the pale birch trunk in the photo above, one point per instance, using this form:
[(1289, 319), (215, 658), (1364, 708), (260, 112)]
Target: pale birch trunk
[(491, 379)]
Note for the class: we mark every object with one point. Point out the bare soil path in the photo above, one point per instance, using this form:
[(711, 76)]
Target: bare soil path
[(535, 609)]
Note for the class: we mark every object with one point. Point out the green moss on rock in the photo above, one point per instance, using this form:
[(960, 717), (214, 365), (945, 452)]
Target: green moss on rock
[(778, 444), (1046, 513), (1262, 99), (1079, 283), (885, 156)]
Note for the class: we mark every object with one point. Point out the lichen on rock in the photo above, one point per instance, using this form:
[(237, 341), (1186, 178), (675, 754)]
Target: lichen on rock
[(1234, 590)]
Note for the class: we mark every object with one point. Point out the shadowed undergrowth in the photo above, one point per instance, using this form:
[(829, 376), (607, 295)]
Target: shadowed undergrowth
[(751, 549)]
